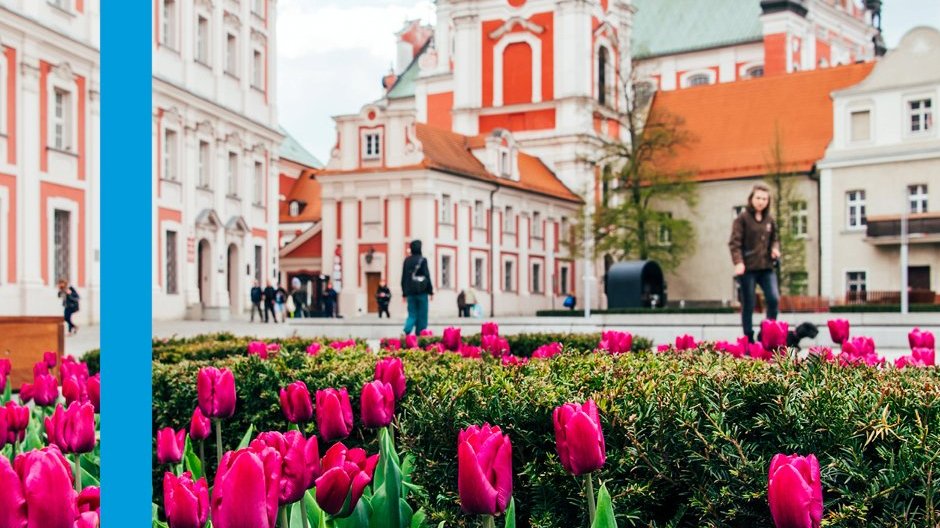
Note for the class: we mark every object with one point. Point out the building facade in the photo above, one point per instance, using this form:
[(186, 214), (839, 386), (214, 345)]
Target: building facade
[(215, 152), (884, 162), (49, 155)]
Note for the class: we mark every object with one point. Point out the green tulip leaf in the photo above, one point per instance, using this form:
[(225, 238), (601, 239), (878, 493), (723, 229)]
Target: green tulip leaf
[(359, 518), (7, 393), (419, 520), (160, 524), (386, 503), (295, 515), (191, 461), (511, 513), (32, 441), (604, 516), (153, 511), (315, 515), (247, 438)]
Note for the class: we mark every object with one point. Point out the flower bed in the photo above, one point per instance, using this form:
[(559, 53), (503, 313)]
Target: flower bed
[(689, 435)]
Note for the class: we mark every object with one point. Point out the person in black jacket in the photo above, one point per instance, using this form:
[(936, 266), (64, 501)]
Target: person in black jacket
[(329, 300), (383, 295), (416, 288), (69, 302), (256, 303), (269, 293)]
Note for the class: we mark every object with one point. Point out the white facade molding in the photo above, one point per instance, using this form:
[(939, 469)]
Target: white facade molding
[(535, 47), (510, 23)]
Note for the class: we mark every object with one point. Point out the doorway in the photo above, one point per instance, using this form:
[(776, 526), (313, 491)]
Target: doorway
[(373, 278), (204, 260), (918, 277)]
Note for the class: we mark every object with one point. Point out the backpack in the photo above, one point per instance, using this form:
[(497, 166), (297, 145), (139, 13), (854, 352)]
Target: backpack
[(569, 301), (419, 282)]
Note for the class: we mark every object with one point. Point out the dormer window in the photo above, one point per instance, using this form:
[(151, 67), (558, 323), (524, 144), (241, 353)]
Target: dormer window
[(505, 167), (372, 146), (294, 208)]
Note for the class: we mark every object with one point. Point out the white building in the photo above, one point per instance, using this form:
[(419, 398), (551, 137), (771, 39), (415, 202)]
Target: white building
[(49, 155), (215, 151), (884, 161)]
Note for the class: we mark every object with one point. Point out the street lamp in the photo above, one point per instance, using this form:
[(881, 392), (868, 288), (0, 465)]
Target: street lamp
[(904, 298)]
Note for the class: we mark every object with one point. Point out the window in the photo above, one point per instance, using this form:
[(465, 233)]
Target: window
[(664, 237), (445, 271), (754, 72), (563, 281), (798, 283), (257, 70), (536, 277), (202, 39), (478, 273), (917, 197), (171, 283), (799, 218), (564, 231), (507, 276), (855, 281), (698, 79), (861, 125), (509, 221), (170, 159), (204, 165), (231, 54), (169, 24), (535, 230), (446, 209), (479, 214), (62, 120), (294, 208), (737, 210), (259, 183), (258, 263), (63, 247), (855, 204), (602, 59), (372, 146), (504, 166), (232, 174), (921, 115)]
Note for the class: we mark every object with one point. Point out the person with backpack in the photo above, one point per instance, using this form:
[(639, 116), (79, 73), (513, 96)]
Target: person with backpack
[(69, 302), (256, 303), (280, 302), (417, 289)]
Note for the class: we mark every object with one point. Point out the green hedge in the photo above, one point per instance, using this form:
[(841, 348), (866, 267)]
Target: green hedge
[(889, 308), (580, 313), (524, 344), (689, 437), (219, 346)]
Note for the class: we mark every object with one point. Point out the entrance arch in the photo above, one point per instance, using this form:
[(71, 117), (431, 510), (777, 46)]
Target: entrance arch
[(204, 260), (234, 296)]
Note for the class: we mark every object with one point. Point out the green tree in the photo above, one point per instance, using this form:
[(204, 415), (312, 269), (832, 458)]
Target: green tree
[(788, 204)]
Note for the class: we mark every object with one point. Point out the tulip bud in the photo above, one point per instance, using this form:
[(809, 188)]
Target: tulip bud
[(685, 342), (186, 502), (313, 349), (50, 359), (411, 341), (451, 339), (200, 427), (245, 490), (547, 351), (45, 390), (484, 470), (5, 368), (490, 328), (74, 389), (94, 391), (340, 345), (300, 462), (795, 492), (14, 420), (345, 474), (72, 367), (170, 445), (72, 429), (392, 371), (918, 338), (27, 392), (295, 402), (616, 342), (216, 392), (334, 414), (578, 437), (377, 404), (838, 330), (514, 361), (495, 345), (37, 490), (774, 334), (89, 499)]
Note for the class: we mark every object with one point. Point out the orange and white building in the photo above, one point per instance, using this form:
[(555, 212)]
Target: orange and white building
[(215, 152), (49, 155)]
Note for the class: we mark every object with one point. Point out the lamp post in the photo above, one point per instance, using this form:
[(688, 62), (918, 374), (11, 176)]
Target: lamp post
[(904, 298)]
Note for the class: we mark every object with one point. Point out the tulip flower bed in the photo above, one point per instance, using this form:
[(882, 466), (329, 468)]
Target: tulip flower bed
[(689, 434)]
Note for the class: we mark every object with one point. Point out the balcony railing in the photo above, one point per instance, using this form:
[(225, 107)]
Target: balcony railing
[(889, 297), (922, 227)]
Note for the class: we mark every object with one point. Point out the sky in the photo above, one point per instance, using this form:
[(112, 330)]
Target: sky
[(325, 67)]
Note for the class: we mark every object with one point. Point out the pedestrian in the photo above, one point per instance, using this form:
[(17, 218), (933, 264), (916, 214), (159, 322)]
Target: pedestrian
[(470, 301), (755, 247), (69, 303), (269, 294), (299, 295), (570, 302), (280, 303), (461, 303), (329, 300), (383, 296), (256, 302), (416, 289)]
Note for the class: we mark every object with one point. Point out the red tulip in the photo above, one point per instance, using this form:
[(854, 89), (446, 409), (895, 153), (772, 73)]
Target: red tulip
[(313, 349), (490, 328), (72, 429), (295, 402), (300, 462), (74, 389), (578, 437), (484, 470), (774, 334), (795, 492), (616, 342), (686, 342), (45, 390), (94, 391), (37, 491), (200, 427), (495, 345), (392, 371), (13, 422), (5, 368), (377, 404), (918, 338), (186, 502), (451, 339), (246, 487), (91, 519), (216, 391), (89, 499), (170, 445), (838, 330), (334, 414), (346, 473)]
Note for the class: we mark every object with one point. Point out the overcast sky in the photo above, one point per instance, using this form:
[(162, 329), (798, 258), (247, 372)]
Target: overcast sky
[(332, 55)]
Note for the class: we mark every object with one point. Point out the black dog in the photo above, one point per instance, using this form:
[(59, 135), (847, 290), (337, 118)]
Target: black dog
[(795, 335)]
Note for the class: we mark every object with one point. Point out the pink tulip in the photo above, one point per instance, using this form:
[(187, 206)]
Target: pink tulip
[(295, 402), (5, 368), (411, 341), (451, 339), (334, 414), (216, 392), (313, 348), (45, 390), (258, 348), (484, 470), (90, 519), (345, 474), (514, 361), (470, 351), (665, 347), (37, 490), (50, 359), (74, 389), (838, 330), (27, 392), (392, 371), (72, 429), (426, 333), (436, 347), (89, 499), (186, 501), (774, 334), (490, 328), (300, 462), (578, 437), (918, 338), (377, 404), (170, 445), (200, 427), (495, 345), (340, 345), (390, 343), (246, 489), (735, 349), (72, 367), (14, 420), (757, 351), (927, 356), (795, 491), (547, 351), (616, 342), (686, 342), (824, 353), (860, 350), (94, 391)]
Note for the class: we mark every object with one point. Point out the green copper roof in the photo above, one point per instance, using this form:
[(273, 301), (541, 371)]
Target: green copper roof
[(663, 27), (292, 150)]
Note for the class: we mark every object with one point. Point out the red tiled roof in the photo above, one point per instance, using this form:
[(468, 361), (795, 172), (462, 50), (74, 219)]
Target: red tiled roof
[(734, 125), (306, 190)]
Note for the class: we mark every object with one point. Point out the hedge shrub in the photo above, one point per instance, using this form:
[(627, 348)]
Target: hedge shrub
[(666, 310), (689, 436), (888, 308), (219, 346), (524, 344)]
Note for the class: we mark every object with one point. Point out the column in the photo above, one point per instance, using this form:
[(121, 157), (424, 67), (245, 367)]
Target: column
[(464, 233), (93, 208), (351, 297), (28, 251), (396, 251), (467, 72)]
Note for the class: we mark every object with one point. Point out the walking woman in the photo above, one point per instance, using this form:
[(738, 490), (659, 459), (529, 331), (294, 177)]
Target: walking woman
[(755, 245), (69, 302)]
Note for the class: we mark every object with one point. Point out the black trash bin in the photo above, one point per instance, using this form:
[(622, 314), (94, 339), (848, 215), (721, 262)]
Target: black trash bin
[(635, 284)]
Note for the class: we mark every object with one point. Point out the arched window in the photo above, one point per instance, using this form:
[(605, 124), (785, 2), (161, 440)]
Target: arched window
[(602, 59), (754, 72), (698, 79)]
